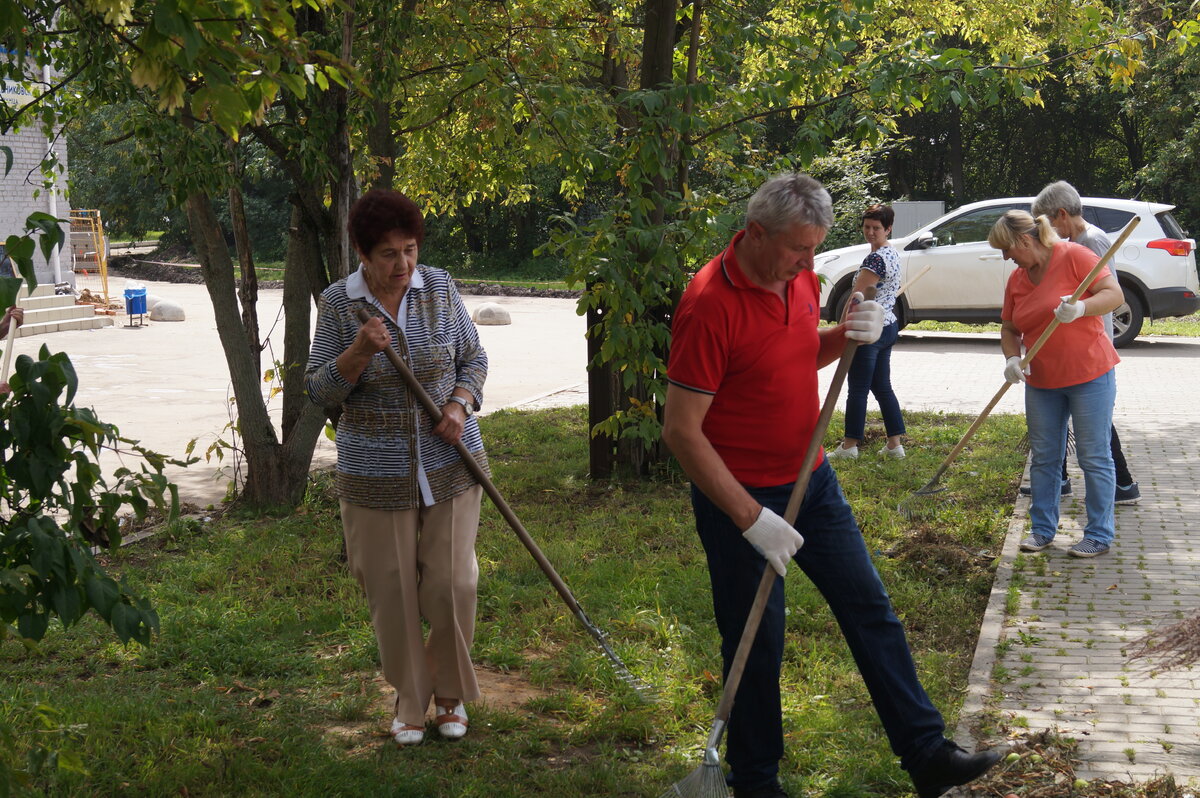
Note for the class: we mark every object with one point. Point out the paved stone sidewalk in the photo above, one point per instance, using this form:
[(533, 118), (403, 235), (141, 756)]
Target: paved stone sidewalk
[(1056, 644)]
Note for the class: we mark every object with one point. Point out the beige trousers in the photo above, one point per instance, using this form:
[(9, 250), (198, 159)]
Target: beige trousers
[(416, 564)]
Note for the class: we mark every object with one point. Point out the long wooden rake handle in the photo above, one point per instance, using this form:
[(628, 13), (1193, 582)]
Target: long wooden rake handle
[(8, 350), (9, 340), (1031, 353), (481, 476)]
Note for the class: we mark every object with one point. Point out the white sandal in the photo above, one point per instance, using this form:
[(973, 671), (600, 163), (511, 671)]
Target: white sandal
[(406, 733), (452, 722)]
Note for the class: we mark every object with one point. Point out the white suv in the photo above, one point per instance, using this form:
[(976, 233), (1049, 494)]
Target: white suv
[(1156, 266)]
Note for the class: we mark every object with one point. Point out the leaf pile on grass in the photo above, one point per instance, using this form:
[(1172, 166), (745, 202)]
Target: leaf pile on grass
[(264, 679), (1043, 766)]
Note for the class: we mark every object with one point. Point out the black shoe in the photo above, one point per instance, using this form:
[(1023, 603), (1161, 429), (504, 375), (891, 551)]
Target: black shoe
[(1129, 495), (772, 790), (950, 767), (1065, 490)]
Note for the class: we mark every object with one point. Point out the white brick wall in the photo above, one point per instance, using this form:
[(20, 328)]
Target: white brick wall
[(18, 187)]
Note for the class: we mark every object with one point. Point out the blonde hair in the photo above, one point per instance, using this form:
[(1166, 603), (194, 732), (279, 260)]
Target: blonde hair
[(1009, 228)]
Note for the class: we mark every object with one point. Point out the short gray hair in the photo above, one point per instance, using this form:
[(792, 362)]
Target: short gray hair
[(790, 199), (1058, 196)]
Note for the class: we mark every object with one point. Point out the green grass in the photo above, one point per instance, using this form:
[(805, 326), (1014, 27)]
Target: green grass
[(951, 326), (1187, 325), (517, 281), (263, 680)]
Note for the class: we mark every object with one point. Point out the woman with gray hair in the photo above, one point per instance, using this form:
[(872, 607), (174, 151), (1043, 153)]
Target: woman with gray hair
[(1060, 203), (1071, 377)]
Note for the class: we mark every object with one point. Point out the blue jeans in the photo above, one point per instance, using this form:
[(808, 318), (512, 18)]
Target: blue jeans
[(1090, 407), (871, 370), (834, 557)]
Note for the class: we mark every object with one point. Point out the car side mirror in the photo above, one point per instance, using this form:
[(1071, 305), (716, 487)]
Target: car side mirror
[(923, 241)]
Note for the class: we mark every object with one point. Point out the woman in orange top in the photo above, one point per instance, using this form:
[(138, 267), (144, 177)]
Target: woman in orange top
[(1071, 375)]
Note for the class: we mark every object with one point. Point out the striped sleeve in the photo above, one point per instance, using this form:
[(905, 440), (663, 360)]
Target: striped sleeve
[(325, 385)]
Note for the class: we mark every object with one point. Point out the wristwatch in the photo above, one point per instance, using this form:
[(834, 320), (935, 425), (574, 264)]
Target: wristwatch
[(465, 404)]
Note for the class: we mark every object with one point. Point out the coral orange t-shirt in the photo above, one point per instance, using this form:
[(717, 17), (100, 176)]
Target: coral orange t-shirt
[(1074, 353)]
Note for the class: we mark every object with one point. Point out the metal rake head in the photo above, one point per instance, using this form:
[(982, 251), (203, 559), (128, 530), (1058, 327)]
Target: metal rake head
[(706, 781), (919, 504)]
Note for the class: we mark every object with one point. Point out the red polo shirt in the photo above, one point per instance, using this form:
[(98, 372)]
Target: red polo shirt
[(757, 357)]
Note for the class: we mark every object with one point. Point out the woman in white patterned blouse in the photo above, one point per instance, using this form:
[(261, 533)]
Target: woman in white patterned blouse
[(871, 370)]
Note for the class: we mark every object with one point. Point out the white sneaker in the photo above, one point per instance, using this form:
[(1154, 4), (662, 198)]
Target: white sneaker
[(898, 452), (405, 734), (839, 451)]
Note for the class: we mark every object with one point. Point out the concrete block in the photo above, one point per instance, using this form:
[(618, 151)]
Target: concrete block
[(166, 310), (491, 314)]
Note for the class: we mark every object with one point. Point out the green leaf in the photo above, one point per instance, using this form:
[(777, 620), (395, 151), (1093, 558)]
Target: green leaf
[(103, 594), (9, 287)]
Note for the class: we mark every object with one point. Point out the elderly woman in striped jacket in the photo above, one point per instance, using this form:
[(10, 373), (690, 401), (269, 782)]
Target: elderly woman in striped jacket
[(410, 507)]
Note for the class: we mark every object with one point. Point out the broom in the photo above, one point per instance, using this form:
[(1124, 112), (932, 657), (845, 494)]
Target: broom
[(708, 781), (912, 506)]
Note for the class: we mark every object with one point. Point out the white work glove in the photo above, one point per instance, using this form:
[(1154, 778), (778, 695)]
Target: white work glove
[(774, 539), (1067, 312), (1013, 371), (865, 320)]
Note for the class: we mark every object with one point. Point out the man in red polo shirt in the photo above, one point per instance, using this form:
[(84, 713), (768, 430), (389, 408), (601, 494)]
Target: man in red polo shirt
[(741, 408)]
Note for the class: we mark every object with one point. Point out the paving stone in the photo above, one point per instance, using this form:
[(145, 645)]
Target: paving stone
[(1090, 616)]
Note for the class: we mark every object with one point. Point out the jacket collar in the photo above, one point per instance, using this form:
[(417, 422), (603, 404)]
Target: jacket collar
[(356, 284)]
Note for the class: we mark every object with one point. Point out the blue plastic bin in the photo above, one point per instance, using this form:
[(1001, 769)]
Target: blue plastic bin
[(135, 301)]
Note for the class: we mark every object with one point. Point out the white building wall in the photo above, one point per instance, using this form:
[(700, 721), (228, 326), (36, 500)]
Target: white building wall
[(23, 190)]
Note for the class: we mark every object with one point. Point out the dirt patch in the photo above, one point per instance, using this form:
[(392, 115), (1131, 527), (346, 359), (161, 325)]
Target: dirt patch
[(941, 553), (499, 690), (159, 271)]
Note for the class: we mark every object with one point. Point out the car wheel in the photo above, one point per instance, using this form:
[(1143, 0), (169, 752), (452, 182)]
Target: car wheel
[(1127, 322), (839, 302)]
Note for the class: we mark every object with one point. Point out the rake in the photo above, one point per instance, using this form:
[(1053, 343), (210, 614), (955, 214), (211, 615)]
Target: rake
[(915, 504), (9, 344), (708, 781), (640, 688)]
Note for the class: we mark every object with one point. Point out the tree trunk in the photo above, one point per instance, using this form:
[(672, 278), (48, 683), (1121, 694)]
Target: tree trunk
[(658, 51), (605, 390), (342, 187), (248, 287), (276, 474), (958, 185), (381, 141), (302, 267)]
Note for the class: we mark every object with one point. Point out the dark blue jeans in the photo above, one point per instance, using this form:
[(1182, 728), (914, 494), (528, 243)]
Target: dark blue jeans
[(871, 371), (834, 557)]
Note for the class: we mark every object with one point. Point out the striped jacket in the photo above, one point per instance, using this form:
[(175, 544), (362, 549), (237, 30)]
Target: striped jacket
[(383, 428)]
